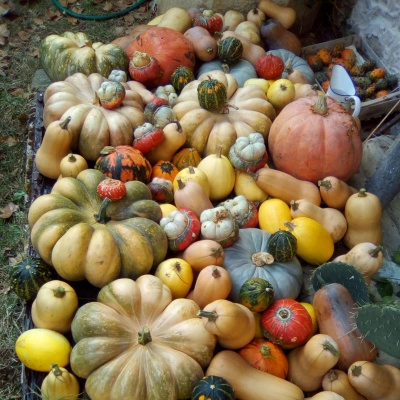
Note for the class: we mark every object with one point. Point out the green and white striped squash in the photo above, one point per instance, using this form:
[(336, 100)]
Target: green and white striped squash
[(181, 77), (230, 50), (282, 245), (27, 276), (64, 55), (213, 387), (212, 94)]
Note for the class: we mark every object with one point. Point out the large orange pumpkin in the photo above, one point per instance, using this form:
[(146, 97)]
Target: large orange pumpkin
[(314, 137), (168, 46)]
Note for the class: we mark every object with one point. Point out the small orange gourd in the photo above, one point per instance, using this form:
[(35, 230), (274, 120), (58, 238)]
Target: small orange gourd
[(212, 283)]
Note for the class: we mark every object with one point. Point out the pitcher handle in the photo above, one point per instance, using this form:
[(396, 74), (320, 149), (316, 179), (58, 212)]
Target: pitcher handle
[(357, 105)]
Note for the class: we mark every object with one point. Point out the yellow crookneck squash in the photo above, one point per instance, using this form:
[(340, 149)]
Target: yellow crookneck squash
[(135, 342), (92, 126), (247, 110), (83, 237)]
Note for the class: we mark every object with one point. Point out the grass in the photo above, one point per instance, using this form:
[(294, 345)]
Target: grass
[(27, 23)]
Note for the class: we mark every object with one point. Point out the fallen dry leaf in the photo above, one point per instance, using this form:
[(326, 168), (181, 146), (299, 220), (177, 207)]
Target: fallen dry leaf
[(24, 35), (8, 210), (4, 33), (9, 141)]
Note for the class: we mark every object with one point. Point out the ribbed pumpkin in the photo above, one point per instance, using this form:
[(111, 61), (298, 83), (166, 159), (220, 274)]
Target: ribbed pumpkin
[(188, 156), (164, 169), (314, 137), (124, 163), (85, 237), (68, 53), (230, 50), (247, 258), (28, 275), (212, 94), (213, 387), (181, 77), (282, 245)]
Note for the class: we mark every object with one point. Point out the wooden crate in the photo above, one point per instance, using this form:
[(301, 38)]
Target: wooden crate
[(371, 108)]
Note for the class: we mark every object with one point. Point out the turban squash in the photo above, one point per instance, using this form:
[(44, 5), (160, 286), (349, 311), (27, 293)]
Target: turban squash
[(247, 110), (92, 126), (135, 342), (123, 240)]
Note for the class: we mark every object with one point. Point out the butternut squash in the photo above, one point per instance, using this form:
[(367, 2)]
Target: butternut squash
[(232, 323), (205, 46), (286, 187), (251, 52), (326, 395), (176, 18), (213, 283), (250, 383), (331, 219), (337, 381), (334, 310), (191, 195), (203, 252), (366, 257), (174, 139), (335, 192), (375, 381), (285, 15), (310, 362), (56, 144), (363, 212), (249, 30), (232, 19)]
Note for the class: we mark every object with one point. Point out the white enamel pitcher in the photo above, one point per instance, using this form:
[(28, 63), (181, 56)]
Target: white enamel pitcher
[(342, 89)]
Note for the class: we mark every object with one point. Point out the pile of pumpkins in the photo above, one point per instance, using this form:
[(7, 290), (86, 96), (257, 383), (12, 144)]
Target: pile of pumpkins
[(191, 195)]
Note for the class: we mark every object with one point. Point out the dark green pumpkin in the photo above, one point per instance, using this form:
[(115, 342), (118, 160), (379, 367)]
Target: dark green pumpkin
[(257, 294), (212, 94), (27, 276), (230, 50), (213, 387), (282, 245), (181, 77)]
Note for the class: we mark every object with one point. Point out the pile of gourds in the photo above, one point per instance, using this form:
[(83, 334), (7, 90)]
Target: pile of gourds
[(190, 196)]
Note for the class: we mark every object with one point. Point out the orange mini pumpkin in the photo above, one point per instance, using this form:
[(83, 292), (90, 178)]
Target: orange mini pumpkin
[(314, 137), (164, 169)]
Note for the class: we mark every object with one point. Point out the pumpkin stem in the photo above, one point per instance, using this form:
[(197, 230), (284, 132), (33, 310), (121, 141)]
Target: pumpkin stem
[(107, 150), (320, 107), (101, 216), (329, 347), (375, 252), (210, 315), (64, 124), (294, 206), (326, 184), (219, 152), (181, 184), (144, 336), (356, 370), (59, 292), (71, 157), (262, 258), (332, 375), (362, 192), (215, 272), (266, 352), (55, 369)]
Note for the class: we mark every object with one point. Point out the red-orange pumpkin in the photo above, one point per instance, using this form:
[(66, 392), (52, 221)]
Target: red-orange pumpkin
[(169, 47), (124, 163), (314, 137), (266, 356)]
